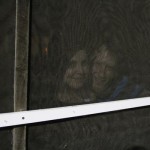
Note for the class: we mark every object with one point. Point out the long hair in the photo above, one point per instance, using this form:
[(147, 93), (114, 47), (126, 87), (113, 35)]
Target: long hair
[(61, 52)]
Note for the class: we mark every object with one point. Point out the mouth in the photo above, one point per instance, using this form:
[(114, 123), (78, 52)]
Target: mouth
[(77, 78), (99, 79)]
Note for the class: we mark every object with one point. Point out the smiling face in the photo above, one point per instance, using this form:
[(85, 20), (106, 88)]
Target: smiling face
[(76, 75), (103, 70)]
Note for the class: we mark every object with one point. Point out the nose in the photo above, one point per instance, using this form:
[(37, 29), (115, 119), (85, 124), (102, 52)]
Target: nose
[(103, 71), (99, 71), (79, 69)]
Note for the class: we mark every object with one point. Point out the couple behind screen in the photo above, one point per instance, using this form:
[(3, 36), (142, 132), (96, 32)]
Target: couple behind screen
[(99, 75), (88, 77), (84, 77)]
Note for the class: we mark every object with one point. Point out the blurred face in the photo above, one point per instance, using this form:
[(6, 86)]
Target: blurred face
[(103, 70), (77, 72)]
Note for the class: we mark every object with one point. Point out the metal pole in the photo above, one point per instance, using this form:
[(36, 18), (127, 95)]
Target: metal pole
[(21, 69)]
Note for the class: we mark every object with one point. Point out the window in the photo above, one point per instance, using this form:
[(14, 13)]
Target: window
[(79, 58)]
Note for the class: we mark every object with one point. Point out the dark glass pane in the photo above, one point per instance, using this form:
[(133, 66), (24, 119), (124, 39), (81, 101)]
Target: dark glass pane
[(7, 53), (85, 51)]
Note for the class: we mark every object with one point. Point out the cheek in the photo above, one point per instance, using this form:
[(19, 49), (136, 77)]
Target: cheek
[(68, 73), (95, 68), (110, 74), (86, 69), (98, 69)]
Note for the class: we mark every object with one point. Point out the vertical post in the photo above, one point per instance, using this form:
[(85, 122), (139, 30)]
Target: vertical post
[(21, 69)]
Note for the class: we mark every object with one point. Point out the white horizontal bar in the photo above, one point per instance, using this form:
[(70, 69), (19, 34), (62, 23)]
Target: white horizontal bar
[(41, 115)]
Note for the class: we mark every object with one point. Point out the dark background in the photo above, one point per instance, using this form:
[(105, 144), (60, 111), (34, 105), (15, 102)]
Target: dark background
[(7, 53)]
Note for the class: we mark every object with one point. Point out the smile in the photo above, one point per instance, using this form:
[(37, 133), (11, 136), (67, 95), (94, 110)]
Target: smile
[(77, 78)]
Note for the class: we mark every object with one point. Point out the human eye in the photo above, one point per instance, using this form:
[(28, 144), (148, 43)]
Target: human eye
[(85, 63), (97, 63), (109, 68)]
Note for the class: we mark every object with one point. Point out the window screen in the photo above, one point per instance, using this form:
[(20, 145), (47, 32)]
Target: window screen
[(85, 52)]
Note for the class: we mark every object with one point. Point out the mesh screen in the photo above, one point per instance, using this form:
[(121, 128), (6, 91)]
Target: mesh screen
[(85, 51)]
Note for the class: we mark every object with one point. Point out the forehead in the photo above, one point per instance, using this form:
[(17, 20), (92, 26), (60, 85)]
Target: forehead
[(80, 55), (105, 56)]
